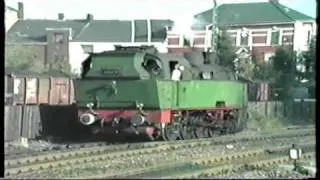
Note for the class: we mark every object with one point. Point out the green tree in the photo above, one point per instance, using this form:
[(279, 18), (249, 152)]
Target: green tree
[(284, 70), (309, 59), (264, 72), (225, 51), (23, 58), (245, 68)]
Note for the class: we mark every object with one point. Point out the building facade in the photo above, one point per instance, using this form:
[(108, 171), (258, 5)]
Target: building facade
[(259, 28), (71, 41)]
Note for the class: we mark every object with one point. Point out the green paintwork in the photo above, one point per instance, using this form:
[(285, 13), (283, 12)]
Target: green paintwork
[(204, 94), (127, 65), (161, 94), (118, 79)]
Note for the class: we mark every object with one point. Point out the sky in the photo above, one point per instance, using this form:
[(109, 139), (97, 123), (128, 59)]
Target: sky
[(181, 11)]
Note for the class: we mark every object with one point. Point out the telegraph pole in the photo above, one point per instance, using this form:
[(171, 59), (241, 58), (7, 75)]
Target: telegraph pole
[(214, 32)]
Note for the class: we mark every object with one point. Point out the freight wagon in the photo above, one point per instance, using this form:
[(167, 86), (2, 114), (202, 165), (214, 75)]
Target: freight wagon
[(24, 88)]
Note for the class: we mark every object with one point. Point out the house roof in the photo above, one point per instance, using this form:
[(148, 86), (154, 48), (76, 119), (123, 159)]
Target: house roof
[(35, 30), (250, 14), (12, 9), (106, 31), (32, 30)]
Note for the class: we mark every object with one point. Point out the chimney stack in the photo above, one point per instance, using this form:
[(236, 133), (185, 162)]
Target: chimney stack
[(89, 17), (274, 1), (61, 16), (20, 11)]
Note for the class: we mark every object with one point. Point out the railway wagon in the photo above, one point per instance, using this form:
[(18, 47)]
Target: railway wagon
[(131, 91)]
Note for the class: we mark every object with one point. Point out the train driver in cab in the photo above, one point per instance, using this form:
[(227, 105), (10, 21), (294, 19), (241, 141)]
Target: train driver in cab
[(177, 72)]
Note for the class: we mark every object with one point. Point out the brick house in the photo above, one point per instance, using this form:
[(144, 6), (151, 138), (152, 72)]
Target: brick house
[(255, 28), (72, 40)]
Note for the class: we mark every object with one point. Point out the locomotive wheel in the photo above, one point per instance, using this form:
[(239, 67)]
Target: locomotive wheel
[(171, 132), (201, 132), (187, 132)]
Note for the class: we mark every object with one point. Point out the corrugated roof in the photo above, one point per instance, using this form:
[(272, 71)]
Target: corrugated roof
[(249, 13)]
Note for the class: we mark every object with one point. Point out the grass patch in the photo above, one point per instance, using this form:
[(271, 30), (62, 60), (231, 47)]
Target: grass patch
[(260, 121)]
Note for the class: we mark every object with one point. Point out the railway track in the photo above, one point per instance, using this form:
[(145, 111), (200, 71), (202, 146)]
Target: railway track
[(74, 146), (47, 162), (198, 165), (236, 162)]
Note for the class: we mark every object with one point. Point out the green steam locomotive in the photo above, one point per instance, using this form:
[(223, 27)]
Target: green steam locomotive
[(137, 90)]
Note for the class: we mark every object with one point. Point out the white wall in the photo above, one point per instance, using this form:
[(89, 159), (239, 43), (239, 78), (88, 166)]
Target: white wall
[(77, 56), (301, 35), (11, 17)]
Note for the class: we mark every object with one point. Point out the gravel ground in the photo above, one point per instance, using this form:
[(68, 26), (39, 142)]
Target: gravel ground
[(144, 161), (120, 164), (282, 171), (34, 146), (16, 147)]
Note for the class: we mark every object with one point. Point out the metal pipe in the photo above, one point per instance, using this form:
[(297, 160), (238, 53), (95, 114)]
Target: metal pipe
[(214, 31)]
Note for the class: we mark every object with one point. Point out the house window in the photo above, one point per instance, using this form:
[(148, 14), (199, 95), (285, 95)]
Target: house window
[(169, 28), (244, 41), (275, 37), (87, 48), (58, 38), (309, 36)]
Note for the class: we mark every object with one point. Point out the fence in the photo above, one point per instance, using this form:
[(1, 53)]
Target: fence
[(303, 110), (266, 108), (297, 111), (262, 92)]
